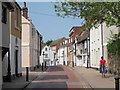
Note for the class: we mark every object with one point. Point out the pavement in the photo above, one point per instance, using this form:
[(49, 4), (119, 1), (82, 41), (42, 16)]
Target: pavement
[(93, 77), (20, 82), (62, 77)]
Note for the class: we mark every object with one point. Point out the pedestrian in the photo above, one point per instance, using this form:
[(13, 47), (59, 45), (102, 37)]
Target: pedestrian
[(102, 66)]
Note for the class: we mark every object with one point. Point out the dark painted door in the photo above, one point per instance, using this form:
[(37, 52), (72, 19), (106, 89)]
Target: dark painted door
[(16, 63)]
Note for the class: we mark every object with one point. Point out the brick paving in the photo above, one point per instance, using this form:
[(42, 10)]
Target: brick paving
[(59, 77)]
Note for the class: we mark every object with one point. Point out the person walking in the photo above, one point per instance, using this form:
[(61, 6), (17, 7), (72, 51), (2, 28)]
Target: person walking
[(102, 66)]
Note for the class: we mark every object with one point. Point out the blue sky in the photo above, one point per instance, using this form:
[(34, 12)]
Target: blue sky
[(49, 25)]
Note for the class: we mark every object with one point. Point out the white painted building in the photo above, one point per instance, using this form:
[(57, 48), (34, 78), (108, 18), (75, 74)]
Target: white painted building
[(63, 53), (98, 41), (82, 49), (48, 56)]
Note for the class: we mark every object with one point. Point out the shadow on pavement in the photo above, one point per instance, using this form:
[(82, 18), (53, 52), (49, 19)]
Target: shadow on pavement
[(54, 77), (55, 68)]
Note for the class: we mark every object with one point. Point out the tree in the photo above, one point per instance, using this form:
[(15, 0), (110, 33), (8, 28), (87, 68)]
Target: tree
[(114, 53), (48, 42), (93, 12)]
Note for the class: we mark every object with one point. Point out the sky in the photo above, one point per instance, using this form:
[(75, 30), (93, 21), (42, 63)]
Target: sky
[(50, 26)]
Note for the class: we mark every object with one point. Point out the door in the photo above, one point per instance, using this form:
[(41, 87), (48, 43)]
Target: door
[(16, 63)]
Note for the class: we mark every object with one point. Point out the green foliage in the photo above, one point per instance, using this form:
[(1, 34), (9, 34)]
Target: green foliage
[(114, 45), (48, 42), (93, 12)]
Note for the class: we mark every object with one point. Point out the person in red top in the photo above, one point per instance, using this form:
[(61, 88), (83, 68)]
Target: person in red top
[(102, 66)]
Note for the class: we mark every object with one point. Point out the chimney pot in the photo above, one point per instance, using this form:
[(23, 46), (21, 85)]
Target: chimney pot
[(25, 11)]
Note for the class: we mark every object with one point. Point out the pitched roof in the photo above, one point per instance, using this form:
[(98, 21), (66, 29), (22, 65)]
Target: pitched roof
[(83, 36), (75, 28), (55, 42)]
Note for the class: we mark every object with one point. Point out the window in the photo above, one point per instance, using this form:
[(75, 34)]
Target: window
[(33, 32), (16, 18), (46, 55), (45, 49), (4, 14)]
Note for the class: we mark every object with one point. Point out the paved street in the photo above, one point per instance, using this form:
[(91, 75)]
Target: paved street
[(59, 77)]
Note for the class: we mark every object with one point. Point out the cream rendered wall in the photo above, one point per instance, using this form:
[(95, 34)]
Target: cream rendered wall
[(26, 43)]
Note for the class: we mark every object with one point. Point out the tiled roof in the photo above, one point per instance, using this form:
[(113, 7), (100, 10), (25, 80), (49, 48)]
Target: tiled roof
[(76, 28), (83, 36), (55, 42)]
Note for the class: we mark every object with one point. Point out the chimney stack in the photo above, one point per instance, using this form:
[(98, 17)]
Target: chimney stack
[(25, 11)]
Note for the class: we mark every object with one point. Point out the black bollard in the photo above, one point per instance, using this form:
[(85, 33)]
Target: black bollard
[(27, 74), (45, 64), (42, 66), (116, 83)]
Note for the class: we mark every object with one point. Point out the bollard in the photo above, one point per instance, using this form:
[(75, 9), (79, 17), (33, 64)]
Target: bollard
[(45, 64), (42, 66), (64, 62), (27, 74), (116, 83)]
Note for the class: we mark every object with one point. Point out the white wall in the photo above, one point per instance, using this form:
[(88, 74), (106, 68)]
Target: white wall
[(13, 48), (96, 43), (95, 46), (50, 57)]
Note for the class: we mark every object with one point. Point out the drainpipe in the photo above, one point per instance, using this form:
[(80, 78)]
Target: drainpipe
[(102, 40)]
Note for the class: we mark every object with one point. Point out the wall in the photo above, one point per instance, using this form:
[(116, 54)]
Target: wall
[(0, 68), (95, 46), (106, 37), (13, 48), (0, 47), (6, 32), (26, 43), (0, 24)]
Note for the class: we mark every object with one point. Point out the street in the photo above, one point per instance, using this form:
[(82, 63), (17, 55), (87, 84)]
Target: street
[(58, 77)]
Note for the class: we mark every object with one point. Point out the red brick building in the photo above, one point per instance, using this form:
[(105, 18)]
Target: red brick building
[(73, 33)]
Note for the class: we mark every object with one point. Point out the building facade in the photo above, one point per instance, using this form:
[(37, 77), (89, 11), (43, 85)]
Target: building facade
[(63, 52), (99, 38), (31, 42), (14, 54), (47, 56), (73, 33), (55, 46), (82, 50)]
